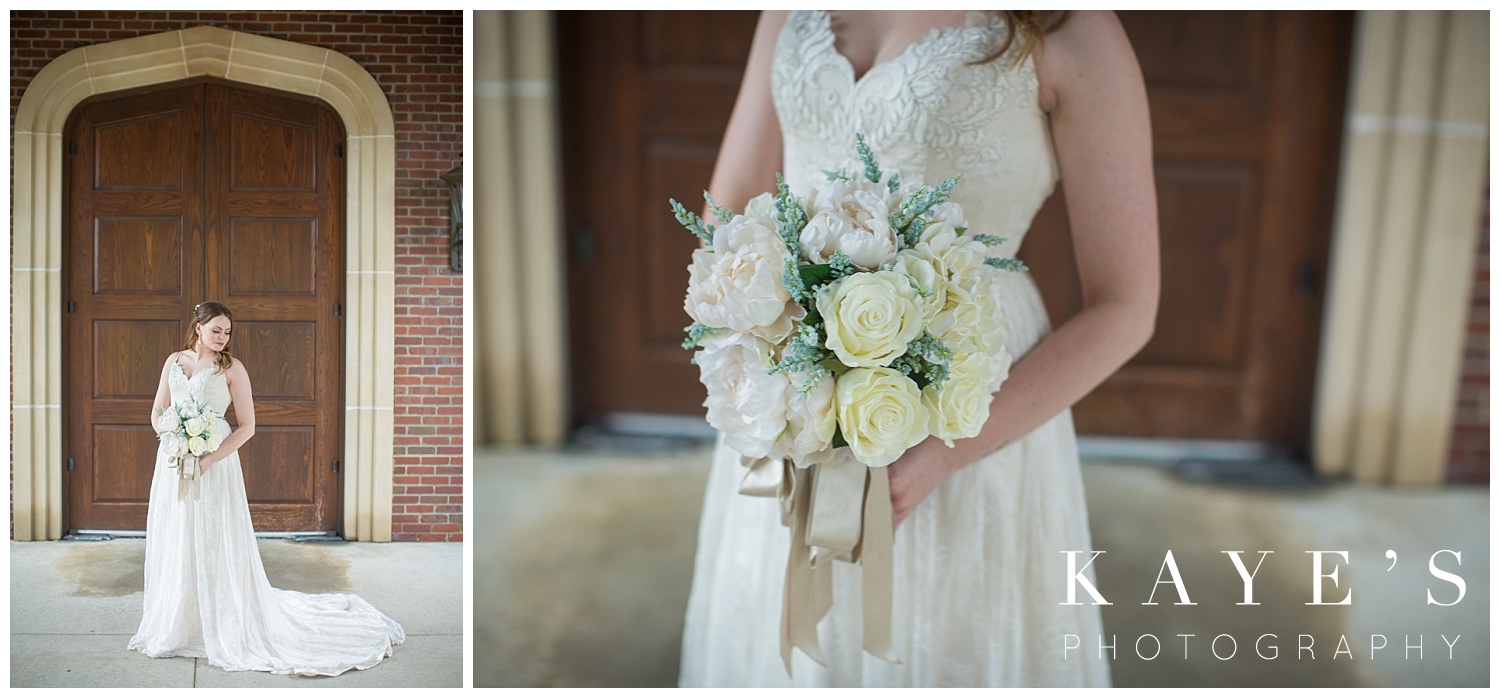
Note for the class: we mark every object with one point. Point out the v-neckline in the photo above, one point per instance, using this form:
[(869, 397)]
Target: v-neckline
[(184, 372), (856, 80)]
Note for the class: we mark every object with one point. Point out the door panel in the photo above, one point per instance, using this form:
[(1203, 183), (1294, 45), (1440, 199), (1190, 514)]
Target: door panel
[(178, 194), (1246, 112)]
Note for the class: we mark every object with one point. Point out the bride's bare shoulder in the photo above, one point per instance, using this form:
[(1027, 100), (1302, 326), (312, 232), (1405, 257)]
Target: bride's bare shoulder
[(1087, 50)]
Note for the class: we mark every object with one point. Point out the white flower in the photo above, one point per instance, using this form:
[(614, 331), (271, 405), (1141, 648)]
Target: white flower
[(745, 402), (970, 323), (959, 409), (852, 217), (880, 414), (195, 425), (924, 275), (168, 419), (762, 206), (173, 443), (870, 317), (198, 445), (738, 285), (950, 213), (810, 418)]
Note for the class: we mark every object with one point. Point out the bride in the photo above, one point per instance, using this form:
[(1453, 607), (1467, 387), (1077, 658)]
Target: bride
[(206, 591), (1014, 101)]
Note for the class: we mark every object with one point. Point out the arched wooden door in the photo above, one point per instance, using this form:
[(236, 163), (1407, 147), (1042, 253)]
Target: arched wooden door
[(203, 190)]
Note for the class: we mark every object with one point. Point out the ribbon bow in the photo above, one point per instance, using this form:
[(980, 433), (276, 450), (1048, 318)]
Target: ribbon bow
[(187, 474), (838, 509)]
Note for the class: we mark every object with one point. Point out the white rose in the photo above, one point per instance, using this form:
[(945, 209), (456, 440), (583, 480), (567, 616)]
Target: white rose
[(738, 285), (960, 408), (810, 418), (197, 445), (950, 213), (852, 217), (880, 414), (745, 402), (924, 275), (195, 426), (870, 317)]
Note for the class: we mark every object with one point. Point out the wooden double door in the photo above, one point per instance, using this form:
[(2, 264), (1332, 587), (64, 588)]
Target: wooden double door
[(1246, 111), (194, 191)]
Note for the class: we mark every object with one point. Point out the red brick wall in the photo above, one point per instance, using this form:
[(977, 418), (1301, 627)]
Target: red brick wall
[(1469, 454), (417, 57)]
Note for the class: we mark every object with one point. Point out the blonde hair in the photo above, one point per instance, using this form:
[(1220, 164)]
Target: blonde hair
[(1025, 29), (203, 313)]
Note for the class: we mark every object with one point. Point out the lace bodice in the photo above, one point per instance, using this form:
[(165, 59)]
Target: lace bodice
[(209, 386), (926, 113)]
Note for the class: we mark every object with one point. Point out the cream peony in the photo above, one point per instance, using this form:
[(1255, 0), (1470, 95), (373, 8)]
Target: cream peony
[(810, 419), (959, 409), (949, 213), (745, 403), (168, 419), (852, 217), (871, 317), (971, 322), (924, 275), (738, 285), (880, 414)]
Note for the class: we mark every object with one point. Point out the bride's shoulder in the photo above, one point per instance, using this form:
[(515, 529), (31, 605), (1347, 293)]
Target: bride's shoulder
[(1088, 48)]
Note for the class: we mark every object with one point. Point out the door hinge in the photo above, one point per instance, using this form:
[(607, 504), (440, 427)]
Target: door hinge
[(72, 307), (70, 464), (338, 149), (338, 309), (72, 147), (335, 465)]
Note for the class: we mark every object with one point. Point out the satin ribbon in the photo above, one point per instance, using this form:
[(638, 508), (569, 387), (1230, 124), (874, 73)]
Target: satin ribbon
[(838, 509), (187, 475)]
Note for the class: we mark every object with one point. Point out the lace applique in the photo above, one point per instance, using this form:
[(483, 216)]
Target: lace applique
[(930, 113)]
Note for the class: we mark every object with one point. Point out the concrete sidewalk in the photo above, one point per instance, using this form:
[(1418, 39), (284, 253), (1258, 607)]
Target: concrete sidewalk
[(75, 605)]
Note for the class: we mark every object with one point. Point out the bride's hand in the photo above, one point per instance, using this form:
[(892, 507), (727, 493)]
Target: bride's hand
[(206, 460), (916, 474)]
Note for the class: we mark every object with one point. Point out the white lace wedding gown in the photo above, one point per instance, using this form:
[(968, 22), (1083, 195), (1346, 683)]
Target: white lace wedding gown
[(978, 573), (207, 593)]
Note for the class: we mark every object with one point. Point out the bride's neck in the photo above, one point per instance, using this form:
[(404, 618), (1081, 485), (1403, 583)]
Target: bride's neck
[(200, 352)]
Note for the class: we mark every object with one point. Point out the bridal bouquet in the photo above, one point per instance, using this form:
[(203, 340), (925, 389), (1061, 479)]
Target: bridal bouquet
[(186, 429), (836, 328)]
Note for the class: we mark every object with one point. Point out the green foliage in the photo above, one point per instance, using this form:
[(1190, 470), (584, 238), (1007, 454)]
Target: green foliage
[(906, 219), (692, 221), (723, 215), (1006, 264), (867, 158), (991, 240), (926, 361), (696, 333)]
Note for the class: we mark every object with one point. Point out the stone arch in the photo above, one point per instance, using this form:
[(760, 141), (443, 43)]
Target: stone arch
[(37, 220)]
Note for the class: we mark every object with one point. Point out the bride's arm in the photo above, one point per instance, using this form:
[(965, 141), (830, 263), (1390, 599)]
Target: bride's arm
[(244, 412), (1096, 99), (750, 154), (163, 394)]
